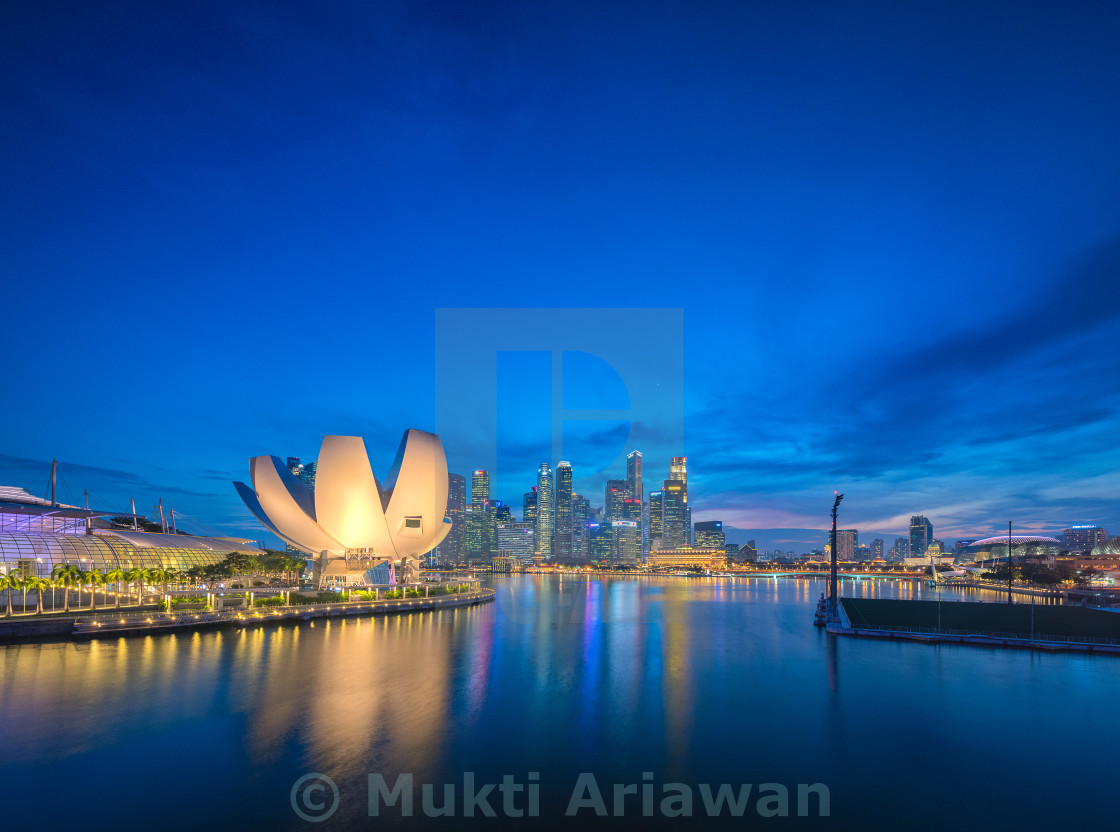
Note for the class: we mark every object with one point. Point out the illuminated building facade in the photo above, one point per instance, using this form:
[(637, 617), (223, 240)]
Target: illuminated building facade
[(673, 515), (562, 545), (546, 508), (921, 535), (709, 534)]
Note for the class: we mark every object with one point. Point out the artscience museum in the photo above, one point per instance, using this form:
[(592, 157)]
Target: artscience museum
[(358, 529)]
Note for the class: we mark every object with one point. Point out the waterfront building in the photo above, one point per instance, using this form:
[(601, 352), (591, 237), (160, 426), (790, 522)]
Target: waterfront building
[(344, 520), (687, 557), (709, 534), (546, 508), (516, 540), (749, 551), (562, 546), (626, 541), (673, 515), (477, 537), (994, 548), (529, 506), (1080, 539), (501, 563), (900, 550), (678, 470), (877, 548), (615, 495), (601, 540)]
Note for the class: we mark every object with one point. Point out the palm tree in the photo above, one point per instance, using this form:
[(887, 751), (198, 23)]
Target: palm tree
[(66, 576), (7, 583), (19, 582), (38, 584), (160, 574), (95, 579), (115, 576), (139, 575)]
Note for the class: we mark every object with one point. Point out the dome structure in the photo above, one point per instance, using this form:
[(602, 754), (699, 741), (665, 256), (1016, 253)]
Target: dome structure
[(350, 520), (1022, 545)]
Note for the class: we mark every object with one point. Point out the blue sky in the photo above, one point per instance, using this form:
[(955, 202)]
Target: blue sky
[(891, 233)]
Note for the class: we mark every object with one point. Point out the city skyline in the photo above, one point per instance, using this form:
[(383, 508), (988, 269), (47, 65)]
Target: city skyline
[(888, 233)]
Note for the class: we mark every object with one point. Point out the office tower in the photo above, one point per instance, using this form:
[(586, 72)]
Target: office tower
[(477, 537), (546, 511), (921, 535), (656, 515), (1078, 539), (480, 488), (709, 535), (963, 544), (731, 552), (516, 540), (673, 515), (901, 549), (501, 512), (601, 538), (305, 473), (529, 506), (846, 542), (678, 470), (748, 551), (632, 510), (451, 550), (614, 496), (626, 541), (877, 548), (562, 545), (581, 517), (634, 475)]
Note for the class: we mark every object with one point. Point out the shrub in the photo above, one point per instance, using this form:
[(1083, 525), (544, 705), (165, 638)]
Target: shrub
[(274, 601), (393, 593)]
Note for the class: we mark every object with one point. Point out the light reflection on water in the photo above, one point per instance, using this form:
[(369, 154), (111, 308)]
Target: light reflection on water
[(705, 680)]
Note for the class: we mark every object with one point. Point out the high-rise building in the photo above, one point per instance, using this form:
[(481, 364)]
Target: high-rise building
[(516, 540), (546, 511), (634, 475), (656, 515), (626, 541), (709, 535), (581, 517), (673, 516), (963, 544), (305, 473), (678, 470), (749, 551), (480, 487), (601, 539), (616, 493), (529, 506), (846, 542), (731, 551), (562, 547), (451, 549), (632, 510), (501, 512), (900, 550), (1079, 539), (921, 535), (877, 548), (477, 538)]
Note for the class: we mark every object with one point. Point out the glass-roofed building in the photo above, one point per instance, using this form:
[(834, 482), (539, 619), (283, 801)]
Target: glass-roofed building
[(37, 535)]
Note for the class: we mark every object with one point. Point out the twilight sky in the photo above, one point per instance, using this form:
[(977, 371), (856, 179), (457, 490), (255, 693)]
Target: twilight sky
[(872, 247)]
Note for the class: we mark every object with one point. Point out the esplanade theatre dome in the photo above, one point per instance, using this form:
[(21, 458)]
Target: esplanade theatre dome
[(1022, 545)]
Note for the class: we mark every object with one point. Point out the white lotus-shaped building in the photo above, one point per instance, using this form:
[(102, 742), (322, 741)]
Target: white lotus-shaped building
[(350, 521)]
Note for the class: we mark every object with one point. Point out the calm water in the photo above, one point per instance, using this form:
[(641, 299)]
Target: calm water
[(697, 681)]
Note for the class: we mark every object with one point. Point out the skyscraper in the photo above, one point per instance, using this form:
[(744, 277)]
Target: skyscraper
[(673, 515), (846, 542), (480, 487), (562, 547), (634, 475), (921, 535), (709, 535), (601, 537), (546, 511), (616, 493), (581, 517), (529, 507), (1078, 539), (656, 518), (451, 550), (877, 548), (678, 470), (305, 473)]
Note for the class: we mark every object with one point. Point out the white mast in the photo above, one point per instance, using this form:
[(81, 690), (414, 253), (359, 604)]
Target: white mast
[(162, 519), (134, 514)]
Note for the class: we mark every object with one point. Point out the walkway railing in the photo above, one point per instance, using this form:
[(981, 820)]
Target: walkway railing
[(888, 628)]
